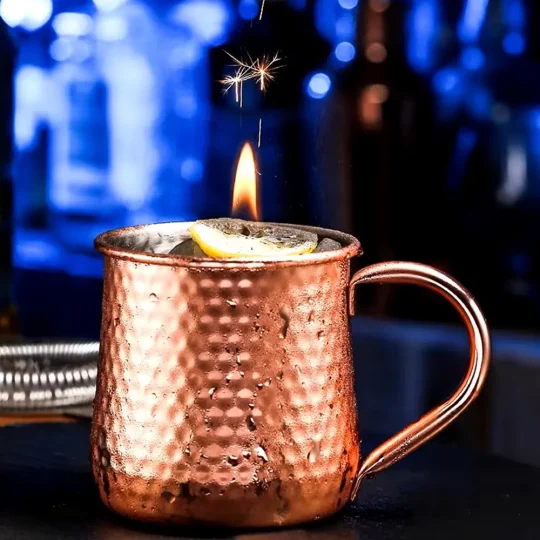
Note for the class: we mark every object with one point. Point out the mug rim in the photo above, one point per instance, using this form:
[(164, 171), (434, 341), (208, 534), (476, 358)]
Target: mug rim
[(107, 244)]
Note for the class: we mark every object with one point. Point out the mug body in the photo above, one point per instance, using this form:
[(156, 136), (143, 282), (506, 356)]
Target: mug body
[(225, 391)]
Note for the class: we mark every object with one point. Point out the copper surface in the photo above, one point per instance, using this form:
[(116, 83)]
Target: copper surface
[(225, 390)]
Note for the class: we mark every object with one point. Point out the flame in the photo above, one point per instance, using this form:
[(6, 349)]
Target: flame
[(245, 200)]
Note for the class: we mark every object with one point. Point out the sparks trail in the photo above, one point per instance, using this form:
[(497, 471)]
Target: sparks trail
[(262, 69), (262, 10), (237, 80), (265, 70)]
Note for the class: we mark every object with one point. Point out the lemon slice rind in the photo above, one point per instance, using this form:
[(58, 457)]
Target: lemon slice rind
[(238, 239)]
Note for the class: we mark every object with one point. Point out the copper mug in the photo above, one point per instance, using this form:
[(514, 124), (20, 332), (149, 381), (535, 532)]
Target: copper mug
[(225, 391)]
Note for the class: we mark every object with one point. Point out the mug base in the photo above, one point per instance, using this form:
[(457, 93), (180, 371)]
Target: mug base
[(235, 506)]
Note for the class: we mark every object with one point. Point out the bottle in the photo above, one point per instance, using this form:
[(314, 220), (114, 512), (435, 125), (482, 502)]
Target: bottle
[(8, 318), (81, 203), (156, 95), (392, 154), (191, 28), (271, 119), (327, 120)]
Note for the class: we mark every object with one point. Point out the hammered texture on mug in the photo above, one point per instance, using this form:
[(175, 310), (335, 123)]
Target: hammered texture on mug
[(225, 396)]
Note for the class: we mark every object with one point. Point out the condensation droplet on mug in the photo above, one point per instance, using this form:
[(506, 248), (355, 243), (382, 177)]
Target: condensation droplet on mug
[(153, 297), (314, 451), (102, 438), (310, 316), (231, 303), (246, 454), (105, 458), (116, 321), (233, 460), (211, 392), (260, 451), (250, 422), (168, 496), (205, 491), (320, 334), (268, 382), (285, 314)]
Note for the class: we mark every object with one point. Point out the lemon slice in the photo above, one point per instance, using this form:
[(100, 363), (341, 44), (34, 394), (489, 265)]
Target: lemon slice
[(235, 238)]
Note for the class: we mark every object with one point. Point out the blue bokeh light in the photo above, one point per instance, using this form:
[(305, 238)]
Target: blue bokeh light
[(514, 43), (192, 169), (348, 4), (345, 26), (28, 14), (248, 9), (472, 20), (446, 80), (209, 20), (108, 5), (345, 51), (112, 142), (514, 13), (319, 85), (72, 24), (479, 101), (472, 58), (424, 25)]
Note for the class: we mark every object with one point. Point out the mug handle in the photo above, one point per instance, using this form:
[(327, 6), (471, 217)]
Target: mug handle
[(437, 419)]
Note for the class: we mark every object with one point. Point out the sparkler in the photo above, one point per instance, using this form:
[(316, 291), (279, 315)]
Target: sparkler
[(241, 75), (261, 69), (265, 69), (262, 9)]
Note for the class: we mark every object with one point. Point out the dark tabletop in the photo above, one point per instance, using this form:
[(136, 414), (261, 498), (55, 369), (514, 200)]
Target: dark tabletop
[(437, 493)]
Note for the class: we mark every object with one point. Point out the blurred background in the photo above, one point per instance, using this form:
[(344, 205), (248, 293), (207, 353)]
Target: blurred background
[(413, 124)]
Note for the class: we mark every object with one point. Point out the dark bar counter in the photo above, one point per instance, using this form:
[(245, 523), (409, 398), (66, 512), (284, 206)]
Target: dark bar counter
[(439, 492)]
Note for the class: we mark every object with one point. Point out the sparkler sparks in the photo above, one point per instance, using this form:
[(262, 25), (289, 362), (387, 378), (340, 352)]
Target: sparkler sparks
[(262, 69), (237, 80), (265, 69), (262, 10)]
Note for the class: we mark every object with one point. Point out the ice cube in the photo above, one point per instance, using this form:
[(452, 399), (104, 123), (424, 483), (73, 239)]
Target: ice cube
[(327, 244), (188, 248)]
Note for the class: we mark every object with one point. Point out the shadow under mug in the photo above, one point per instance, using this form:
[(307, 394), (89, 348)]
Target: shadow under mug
[(225, 391)]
